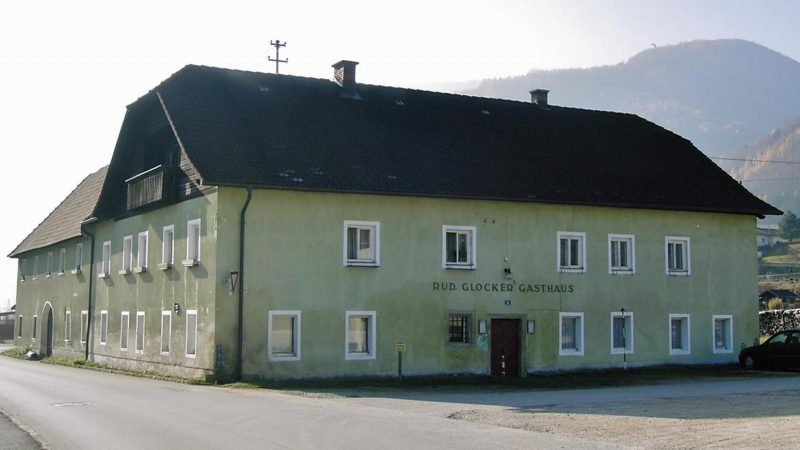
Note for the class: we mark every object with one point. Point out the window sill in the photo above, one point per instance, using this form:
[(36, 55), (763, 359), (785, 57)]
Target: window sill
[(190, 262), (61, 274), (358, 356), (47, 275), (164, 266), (124, 272), (620, 351), (679, 352), (572, 269), (103, 275), (76, 271), (570, 353), (361, 264), (460, 266), (678, 273), (621, 272), (723, 350), (139, 269), (280, 358)]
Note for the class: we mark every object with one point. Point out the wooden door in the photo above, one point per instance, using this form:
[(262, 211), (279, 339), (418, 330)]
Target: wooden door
[(505, 347)]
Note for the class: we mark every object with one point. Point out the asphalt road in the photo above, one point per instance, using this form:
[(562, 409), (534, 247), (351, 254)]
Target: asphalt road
[(70, 408)]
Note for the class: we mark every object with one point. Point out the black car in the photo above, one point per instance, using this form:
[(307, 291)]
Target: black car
[(781, 350)]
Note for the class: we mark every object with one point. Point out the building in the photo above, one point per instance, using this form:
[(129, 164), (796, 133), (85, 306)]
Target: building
[(253, 225)]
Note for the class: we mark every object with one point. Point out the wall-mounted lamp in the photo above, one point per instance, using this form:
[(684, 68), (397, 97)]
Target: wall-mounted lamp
[(233, 278), (507, 273), (531, 326), (482, 327), (177, 308)]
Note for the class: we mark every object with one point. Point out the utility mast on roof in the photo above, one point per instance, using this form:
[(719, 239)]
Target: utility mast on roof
[(277, 44)]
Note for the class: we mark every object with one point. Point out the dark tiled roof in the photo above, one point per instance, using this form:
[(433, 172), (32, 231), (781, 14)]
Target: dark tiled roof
[(287, 132), (64, 222)]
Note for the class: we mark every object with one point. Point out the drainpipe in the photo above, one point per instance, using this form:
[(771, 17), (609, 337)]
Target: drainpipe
[(240, 331), (91, 285)]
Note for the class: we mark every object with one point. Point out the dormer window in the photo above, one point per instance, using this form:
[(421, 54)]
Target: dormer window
[(149, 187)]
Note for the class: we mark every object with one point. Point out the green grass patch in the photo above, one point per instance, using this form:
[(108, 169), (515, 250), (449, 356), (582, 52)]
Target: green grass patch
[(16, 352)]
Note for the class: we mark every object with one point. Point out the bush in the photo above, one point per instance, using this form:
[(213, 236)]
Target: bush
[(775, 303)]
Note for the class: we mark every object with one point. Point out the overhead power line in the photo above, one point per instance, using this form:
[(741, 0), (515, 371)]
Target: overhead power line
[(754, 160)]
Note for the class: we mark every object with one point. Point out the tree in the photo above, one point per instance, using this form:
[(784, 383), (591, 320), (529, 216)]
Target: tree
[(789, 226)]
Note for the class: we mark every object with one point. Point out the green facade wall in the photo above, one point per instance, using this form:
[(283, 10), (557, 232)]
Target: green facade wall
[(156, 290), (38, 293), (294, 261)]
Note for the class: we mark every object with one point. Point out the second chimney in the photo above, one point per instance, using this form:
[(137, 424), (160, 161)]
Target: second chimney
[(344, 73), (539, 97)]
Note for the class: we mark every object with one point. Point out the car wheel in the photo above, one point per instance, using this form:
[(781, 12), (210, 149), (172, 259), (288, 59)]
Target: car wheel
[(749, 362)]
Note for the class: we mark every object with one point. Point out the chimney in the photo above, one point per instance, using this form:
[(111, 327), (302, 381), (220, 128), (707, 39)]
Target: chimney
[(539, 97), (344, 73)]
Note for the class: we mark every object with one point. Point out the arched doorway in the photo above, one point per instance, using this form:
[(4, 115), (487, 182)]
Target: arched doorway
[(46, 349)]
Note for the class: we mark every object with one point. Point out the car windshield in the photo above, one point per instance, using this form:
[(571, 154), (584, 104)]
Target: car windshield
[(778, 339)]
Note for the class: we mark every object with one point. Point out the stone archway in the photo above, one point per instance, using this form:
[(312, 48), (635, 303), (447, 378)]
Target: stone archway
[(46, 345)]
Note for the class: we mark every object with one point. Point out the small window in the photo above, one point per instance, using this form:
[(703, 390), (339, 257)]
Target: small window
[(284, 335), (19, 326), (677, 255), (139, 331), (106, 268), (35, 326), (361, 243), (103, 327), (48, 268), (141, 252), (36, 267), (23, 268), (67, 325), (723, 334), (167, 247), (459, 328), (166, 331), (127, 255), (458, 247), (679, 343), (571, 251), (571, 334), (360, 335), (191, 333), (192, 243), (78, 259), (621, 254), (84, 326), (124, 326), (621, 332), (62, 261)]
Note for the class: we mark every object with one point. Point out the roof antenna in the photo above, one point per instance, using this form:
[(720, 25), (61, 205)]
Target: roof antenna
[(277, 44)]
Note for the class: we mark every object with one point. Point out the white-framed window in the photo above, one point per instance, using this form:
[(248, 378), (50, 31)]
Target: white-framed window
[(36, 267), (192, 243), (167, 247), (362, 243), (570, 331), (166, 331), (459, 328), (621, 332), (103, 327), (84, 325), (723, 333), (67, 325), (677, 255), (191, 333), (78, 259), (679, 334), (283, 335), (23, 269), (571, 251), (124, 327), (621, 254), (62, 261), (48, 268), (459, 247), (105, 270), (35, 323), (139, 332), (141, 252), (127, 255), (360, 329)]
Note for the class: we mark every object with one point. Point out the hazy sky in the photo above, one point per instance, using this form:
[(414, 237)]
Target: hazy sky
[(68, 69)]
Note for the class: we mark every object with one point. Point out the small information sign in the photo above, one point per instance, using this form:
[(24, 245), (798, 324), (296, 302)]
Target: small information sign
[(399, 347)]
